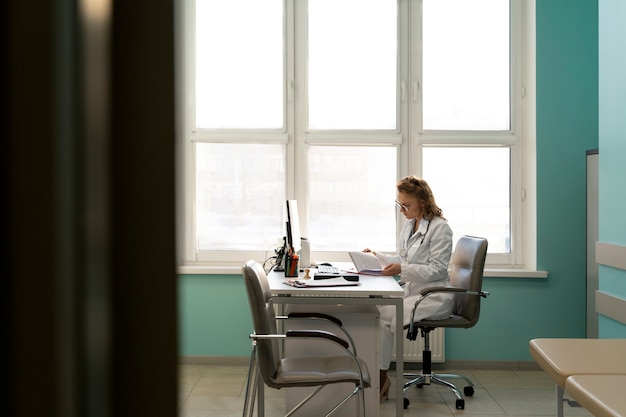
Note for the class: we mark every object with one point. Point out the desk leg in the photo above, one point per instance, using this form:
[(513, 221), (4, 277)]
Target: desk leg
[(399, 358)]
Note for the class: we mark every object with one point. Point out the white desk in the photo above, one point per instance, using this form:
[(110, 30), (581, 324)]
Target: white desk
[(373, 290)]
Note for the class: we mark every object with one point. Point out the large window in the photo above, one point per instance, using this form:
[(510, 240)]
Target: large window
[(330, 102)]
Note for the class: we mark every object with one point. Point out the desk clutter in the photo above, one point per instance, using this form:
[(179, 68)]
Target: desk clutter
[(326, 275), (331, 282), (292, 265)]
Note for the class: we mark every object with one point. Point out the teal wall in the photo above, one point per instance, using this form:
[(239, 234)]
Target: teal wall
[(214, 317), (518, 309), (612, 139)]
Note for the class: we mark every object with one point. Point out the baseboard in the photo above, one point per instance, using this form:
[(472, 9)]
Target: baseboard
[(486, 365), (504, 365)]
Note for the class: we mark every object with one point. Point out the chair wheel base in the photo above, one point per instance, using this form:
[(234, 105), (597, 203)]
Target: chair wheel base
[(469, 391), (460, 403)]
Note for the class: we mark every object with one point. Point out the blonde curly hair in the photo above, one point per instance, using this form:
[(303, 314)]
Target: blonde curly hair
[(419, 188)]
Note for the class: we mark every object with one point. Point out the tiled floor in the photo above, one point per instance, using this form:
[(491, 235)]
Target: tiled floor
[(218, 391)]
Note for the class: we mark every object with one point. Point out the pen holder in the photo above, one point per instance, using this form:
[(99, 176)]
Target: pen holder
[(291, 265)]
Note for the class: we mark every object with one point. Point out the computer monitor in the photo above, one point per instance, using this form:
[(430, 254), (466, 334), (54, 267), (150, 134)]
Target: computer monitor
[(293, 226)]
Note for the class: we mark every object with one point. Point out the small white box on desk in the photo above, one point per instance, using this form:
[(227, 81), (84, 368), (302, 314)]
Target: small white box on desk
[(305, 253)]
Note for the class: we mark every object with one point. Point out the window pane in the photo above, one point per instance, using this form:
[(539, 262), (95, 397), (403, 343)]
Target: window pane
[(472, 187), (466, 65), (352, 64), (351, 198), (240, 196), (239, 64)]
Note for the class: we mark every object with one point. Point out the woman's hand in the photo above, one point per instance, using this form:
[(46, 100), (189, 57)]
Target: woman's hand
[(368, 250), (392, 269)]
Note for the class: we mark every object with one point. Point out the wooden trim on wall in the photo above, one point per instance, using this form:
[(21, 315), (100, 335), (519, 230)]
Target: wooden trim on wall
[(611, 255), (607, 304), (611, 306)]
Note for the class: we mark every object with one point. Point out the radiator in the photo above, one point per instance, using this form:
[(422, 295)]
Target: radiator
[(413, 348)]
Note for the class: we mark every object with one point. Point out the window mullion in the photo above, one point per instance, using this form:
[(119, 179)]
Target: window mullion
[(403, 96), (297, 181), (412, 106)]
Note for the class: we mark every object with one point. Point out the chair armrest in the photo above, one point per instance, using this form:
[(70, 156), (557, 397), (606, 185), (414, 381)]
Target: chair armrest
[(321, 316), (333, 338), (427, 291), (318, 334), (307, 315), (255, 336), (432, 290)]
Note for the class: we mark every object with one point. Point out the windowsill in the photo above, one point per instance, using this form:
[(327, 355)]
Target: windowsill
[(236, 270), (514, 273)]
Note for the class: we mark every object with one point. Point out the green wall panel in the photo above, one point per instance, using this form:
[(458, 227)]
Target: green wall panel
[(612, 139), (214, 317)]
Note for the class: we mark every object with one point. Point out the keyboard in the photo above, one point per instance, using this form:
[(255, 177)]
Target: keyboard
[(327, 269)]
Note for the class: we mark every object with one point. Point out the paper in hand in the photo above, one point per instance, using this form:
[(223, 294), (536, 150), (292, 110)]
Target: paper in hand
[(366, 263)]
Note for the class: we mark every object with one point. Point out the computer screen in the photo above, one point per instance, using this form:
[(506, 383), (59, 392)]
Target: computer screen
[(293, 226)]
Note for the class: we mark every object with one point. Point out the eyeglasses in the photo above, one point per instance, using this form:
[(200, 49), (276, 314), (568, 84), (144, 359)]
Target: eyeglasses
[(402, 206)]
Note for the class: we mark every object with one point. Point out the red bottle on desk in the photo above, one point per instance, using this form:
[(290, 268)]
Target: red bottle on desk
[(291, 265)]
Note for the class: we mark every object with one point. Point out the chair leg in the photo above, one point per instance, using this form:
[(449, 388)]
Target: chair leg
[(468, 388), (360, 411), (457, 392), (360, 402), (422, 379), (427, 376), (301, 403), (414, 379), (251, 385), (358, 392), (456, 376), (460, 400)]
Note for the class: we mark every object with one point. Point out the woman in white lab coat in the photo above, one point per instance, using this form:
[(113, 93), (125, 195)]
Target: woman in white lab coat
[(424, 251)]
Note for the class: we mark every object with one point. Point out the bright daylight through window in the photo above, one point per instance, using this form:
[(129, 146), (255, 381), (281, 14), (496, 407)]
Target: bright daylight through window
[(330, 102)]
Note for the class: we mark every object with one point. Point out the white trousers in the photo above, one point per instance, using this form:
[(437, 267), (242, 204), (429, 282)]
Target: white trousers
[(435, 307)]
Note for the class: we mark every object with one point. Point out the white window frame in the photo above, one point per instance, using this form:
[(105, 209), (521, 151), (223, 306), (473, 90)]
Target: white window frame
[(409, 138)]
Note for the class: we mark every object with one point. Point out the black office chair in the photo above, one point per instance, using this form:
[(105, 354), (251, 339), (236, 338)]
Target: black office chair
[(466, 277), (278, 371)]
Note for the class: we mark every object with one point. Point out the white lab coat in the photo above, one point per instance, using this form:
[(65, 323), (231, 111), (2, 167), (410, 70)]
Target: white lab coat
[(424, 258)]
